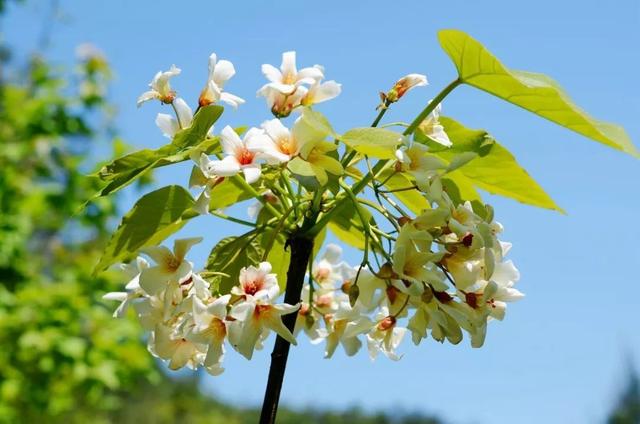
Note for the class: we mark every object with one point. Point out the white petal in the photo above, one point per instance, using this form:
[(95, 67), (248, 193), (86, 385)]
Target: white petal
[(288, 66), (146, 96), (310, 75), (231, 100), (226, 167), (185, 114), (223, 71), (276, 129), (326, 91), (182, 246), (230, 141), (167, 124), (251, 173), (272, 73)]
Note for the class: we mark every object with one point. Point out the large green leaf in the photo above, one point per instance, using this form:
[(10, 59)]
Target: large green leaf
[(154, 217), (230, 255), (375, 142), (493, 168), (125, 170), (534, 92)]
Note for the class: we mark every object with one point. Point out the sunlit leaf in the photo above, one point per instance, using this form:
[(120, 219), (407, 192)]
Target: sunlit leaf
[(202, 123), (230, 255), (534, 92), (412, 199), (491, 167), (154, 217), (375, 142)]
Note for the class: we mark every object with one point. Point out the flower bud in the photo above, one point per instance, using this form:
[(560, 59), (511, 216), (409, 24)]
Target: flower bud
[(404, 220), (345, 287), (354, 292), (403, 85), (386, 272)]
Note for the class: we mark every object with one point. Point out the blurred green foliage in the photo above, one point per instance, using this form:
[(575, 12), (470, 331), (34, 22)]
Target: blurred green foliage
[(62, 352)]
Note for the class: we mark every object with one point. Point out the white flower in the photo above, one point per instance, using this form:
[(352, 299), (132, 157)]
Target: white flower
[(331, 269), (179, 351), (170, 266), (433, 129), (211, 329), (386, 336), (219, 73), (257, 283), (415, 159), (321, 92), (344, 327), (241, 155), (160, 87), (170, 125), (252, 318), (288, 78), (496, 293), (133, 291)]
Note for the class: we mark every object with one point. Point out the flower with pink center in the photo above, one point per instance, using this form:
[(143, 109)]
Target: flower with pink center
[(251, 318), (386, 336), (257, 283), (240, 157)]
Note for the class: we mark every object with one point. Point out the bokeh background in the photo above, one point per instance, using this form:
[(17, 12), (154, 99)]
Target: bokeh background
[(564, 353)]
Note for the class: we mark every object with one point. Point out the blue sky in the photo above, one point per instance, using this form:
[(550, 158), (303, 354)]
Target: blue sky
[(560, 354)]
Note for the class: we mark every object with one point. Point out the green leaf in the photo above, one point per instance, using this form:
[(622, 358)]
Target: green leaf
[(227, 193), (314, 125), (202, 123), (375, 142), (125, 170), (278, 256), (347, 226), (154, 217), (412, 199), (491, 167), (536, 93), (230, 255)]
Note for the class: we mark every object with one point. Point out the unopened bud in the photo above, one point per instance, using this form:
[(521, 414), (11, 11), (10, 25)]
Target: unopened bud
[(405, 84), (404, 220), (386, 272), (345, 287), (354, 292)]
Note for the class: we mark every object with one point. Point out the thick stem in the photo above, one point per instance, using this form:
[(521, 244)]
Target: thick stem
[(301, 248)]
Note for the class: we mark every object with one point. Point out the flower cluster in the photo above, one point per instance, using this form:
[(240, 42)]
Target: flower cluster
[(447, 274), (443, 272), (188, 325), (289, 88)]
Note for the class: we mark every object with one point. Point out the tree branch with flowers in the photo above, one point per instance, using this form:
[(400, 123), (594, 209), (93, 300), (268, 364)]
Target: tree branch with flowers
[(405, 194)]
